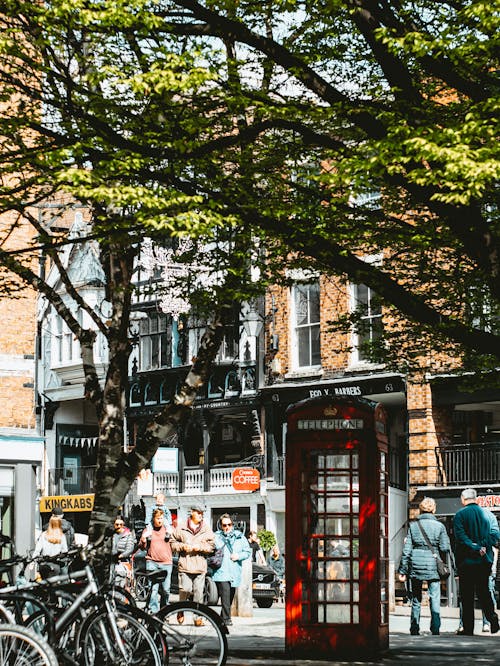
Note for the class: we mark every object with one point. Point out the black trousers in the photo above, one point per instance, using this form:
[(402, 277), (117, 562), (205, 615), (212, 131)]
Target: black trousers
[(473, 580), (226, 594)]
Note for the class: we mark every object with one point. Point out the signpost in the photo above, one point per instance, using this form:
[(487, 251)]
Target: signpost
[(246, 478)]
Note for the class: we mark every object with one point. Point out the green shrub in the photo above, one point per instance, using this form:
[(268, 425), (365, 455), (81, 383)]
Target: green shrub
[(266, 539)]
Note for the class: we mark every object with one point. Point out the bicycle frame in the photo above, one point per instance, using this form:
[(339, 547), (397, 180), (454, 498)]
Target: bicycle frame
[(55, 630)]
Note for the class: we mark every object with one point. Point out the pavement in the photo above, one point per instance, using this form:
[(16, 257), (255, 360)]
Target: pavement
[(261, 640)]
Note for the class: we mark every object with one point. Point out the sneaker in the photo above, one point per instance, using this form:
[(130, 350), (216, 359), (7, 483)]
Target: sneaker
[(199, 622), (180, 618), (486, 629), (460, 630)]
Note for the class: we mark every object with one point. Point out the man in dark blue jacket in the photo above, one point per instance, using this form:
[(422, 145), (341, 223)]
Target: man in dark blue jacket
[(474, 536)]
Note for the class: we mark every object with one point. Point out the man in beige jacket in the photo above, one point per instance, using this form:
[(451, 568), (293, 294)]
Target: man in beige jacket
[(193, 541)]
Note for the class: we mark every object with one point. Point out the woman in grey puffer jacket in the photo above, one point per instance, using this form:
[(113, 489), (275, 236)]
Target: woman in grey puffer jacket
[(419, 563)]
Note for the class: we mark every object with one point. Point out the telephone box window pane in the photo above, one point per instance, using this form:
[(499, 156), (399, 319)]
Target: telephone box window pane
[(334, 482), (355, 570), (338, 461), (338, 504), (340, 526), (355, 526), (383, 614), (355, 591), (355, 614), (337, 570), (383, 528), (337, 548), (338, 614)]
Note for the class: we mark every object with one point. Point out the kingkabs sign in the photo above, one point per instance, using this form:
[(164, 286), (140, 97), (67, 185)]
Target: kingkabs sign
[(246, 478), (68, 503)]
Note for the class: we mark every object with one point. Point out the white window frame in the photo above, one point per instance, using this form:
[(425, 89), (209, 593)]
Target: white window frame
[(309, 325), (372, 317)]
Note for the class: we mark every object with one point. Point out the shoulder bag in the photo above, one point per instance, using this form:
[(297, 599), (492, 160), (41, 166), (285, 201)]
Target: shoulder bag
[(442, 568), (215, 560)]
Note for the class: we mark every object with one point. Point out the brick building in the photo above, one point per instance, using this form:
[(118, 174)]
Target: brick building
[(21, 447), (442, 438)]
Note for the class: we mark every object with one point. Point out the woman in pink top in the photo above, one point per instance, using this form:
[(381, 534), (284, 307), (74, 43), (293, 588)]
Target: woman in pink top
[(155, 540)]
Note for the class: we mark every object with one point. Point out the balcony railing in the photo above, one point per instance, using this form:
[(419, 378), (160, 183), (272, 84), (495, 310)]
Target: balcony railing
[(468, 464), (78, 481)]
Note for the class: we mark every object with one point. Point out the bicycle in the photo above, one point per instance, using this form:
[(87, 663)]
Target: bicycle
[(199, 639), (196, 635), (20, 646), (109, 633)]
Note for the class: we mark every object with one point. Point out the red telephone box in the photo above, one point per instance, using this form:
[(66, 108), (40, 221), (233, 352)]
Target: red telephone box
[(336, 528)]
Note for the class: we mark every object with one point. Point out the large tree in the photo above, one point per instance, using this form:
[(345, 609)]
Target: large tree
[(57, 87), (340, 129), (334, 131)]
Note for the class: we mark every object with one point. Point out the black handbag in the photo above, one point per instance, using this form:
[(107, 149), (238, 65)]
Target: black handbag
[(442, 568), (214, 560)]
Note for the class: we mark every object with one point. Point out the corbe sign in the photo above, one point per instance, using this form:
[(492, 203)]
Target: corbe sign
[(246, 478)]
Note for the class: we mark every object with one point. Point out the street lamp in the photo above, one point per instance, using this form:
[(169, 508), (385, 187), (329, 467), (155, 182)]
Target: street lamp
[(252, 323)]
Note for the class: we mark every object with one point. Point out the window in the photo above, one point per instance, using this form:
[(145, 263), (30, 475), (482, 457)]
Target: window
[(229, 349), (369, 326), (306, 329), (66, 346), (155, 342)]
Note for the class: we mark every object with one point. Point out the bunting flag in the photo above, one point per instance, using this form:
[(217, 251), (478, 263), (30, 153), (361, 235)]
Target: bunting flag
[(78, 442)]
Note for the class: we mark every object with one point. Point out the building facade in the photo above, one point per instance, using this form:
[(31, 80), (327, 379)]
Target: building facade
[(441, 437), (22, 453)]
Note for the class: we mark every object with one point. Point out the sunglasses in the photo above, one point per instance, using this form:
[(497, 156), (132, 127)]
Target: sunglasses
[(226, 524), (119, 524)]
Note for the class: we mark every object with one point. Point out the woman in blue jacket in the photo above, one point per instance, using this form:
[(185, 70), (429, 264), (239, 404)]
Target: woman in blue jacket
[(419, 563), (228, 576)]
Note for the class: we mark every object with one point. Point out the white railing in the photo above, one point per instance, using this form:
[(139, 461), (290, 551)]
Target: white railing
[(221, 478), (220, 481), (166, 482), (193, 480)]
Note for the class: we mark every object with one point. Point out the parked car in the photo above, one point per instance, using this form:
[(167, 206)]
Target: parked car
[(265, 585)]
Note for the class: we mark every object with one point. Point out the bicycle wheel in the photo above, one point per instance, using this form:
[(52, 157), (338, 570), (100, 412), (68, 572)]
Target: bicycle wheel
[(141, 587), (97, 643), (20, 646), (195, 634)]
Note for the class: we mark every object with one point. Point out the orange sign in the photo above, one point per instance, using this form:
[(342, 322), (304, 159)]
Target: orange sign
[(246, 478)]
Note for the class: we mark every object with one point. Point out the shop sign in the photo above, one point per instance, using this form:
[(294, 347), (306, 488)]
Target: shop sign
[(246, 478), (67, 503), (166, 460), (489, 501)]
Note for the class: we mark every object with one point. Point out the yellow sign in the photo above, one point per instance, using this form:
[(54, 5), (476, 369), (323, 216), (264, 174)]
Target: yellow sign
[(68, 503)]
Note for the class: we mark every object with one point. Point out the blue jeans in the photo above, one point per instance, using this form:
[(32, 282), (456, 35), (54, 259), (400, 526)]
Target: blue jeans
[(154, 602), (434, 592)]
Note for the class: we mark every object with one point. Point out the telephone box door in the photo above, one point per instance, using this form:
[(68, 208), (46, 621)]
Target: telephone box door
[(336, 529)]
